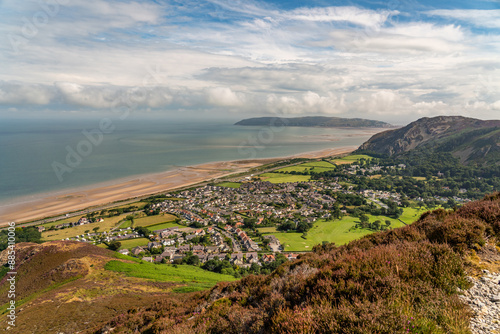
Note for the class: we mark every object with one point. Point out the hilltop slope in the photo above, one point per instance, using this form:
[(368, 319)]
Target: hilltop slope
[(66, 287), (313, 121), (403, 280), (469, 139)]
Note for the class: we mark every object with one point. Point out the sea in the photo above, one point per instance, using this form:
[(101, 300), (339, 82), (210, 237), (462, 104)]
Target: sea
[(46, 155)]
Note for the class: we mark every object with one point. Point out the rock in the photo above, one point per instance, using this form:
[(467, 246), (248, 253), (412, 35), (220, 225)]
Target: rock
[(484, 300)]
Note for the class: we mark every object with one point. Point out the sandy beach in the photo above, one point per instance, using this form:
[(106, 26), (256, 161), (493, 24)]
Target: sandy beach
[(53, 204)]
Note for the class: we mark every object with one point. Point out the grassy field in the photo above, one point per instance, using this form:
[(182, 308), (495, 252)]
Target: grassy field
[(195, 278), (154, 220), (323, 164), (163, 226), (412, 214), (129, 243), (229, 184), (284, 178), (139, 205), (338, 231), (106, 225), (350, 159), (317, 166)]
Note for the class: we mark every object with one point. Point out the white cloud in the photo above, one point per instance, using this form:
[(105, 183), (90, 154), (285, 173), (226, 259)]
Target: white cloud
[(305, 103), (355, 15), (343, 60), (408, 38), (480, 18), (224, 97), (20, 93)]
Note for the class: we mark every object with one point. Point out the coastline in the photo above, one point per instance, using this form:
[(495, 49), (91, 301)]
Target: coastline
[(40, 206)]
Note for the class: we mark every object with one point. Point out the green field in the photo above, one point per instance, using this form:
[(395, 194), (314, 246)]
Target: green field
[(284, 178), (154, 220), (163, 226), (129, 243), (195, 278), (412, 214), (350, 159), (323, 164), (229, 184), (316, 166), (338, 231)]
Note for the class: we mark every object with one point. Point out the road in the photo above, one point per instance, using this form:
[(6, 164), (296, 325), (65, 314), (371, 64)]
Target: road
[(236, 244)]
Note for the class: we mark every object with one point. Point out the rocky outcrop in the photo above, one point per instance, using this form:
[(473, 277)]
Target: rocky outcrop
[(484, 300)]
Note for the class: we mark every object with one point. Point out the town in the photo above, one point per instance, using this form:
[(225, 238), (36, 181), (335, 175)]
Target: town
[(245, 223)]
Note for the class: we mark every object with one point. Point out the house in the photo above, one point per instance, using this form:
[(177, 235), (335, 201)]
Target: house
[(41, 229), (199, 232), (124, 251), (168, 254), (168, 242), (211, 249), (237, 258), (184, 249), (267, 258), (252, 257), (215, 256), (152, 245), (147, 259), (291, 256), (137, 250)]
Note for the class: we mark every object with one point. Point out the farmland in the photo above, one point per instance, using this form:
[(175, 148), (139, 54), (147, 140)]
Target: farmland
[(284, 178), (339, 231), (195, 278)]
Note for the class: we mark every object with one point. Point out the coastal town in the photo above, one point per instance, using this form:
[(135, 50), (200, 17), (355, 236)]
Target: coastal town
[(234, 221)]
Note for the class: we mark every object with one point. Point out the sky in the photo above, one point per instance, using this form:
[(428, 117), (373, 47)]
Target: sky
[(394, 61)]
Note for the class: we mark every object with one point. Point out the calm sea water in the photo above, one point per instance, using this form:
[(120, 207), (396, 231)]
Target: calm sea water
[(32, 151)]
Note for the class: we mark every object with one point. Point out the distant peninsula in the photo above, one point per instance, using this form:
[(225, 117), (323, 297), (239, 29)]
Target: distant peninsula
[(314, 121)]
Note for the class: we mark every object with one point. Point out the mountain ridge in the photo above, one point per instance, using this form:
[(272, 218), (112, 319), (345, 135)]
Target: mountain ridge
[(313, 121), (469, 139)]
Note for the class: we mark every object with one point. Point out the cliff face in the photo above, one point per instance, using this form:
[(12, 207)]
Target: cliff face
[(466, 138)]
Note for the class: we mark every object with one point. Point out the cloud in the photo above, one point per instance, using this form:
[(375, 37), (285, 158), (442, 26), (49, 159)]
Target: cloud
[(224, 97), (20, 93), (354, 15), (408, 38), (305, 103), (251, 56), (480, 18)]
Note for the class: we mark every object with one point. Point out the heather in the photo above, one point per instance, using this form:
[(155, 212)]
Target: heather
[(405, 280)]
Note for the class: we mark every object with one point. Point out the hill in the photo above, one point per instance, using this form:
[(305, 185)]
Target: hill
[(469, 139), (406, 280), (69, 287), (313, 121)]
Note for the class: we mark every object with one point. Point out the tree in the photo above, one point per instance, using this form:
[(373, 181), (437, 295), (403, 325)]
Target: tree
[(142, 230), (193, 260), (95, 229), (114, 245), (376, 224), (388, 223)]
